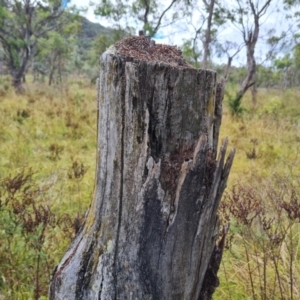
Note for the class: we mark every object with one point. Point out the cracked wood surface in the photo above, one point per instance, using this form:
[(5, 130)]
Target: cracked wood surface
[(152, 226)]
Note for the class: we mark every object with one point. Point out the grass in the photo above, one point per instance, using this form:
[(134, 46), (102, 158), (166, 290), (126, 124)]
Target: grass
[(47, 165), (262, 200), (267, 137), (47, 145)]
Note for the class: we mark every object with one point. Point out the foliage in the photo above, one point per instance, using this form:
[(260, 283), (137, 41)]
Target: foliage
[(190, 53), (101, 43), (235, 105), (234, 102), (54, 51), (72, 48)]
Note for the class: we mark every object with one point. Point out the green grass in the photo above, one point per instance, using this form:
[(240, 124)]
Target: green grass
[(49, 134)]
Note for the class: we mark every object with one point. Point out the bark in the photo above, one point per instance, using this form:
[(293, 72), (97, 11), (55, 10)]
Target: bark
[(151, 229)]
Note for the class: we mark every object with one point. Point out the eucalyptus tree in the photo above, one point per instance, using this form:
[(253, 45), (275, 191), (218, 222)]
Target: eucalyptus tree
[(55, 50), (248, 16), (22, 24)]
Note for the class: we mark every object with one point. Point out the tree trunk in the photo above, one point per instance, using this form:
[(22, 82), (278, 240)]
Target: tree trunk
[(53, 68), (51, 76), (152, 227), (254, 89), (228, 66), (207, 38), (17, 84), (19, 72)]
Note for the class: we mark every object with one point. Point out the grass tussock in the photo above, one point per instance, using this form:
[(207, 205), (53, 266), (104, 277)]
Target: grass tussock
[(47, 165)]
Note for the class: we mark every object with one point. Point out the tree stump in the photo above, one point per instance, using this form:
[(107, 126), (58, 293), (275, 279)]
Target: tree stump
[(151, 230)]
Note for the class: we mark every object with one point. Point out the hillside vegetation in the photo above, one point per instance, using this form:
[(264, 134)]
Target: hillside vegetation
[(47, 166)]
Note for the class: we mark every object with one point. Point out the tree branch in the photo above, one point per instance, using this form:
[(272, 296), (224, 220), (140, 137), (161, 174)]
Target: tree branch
[(161, 16), (264, 8), (57, 12), (147, 9)]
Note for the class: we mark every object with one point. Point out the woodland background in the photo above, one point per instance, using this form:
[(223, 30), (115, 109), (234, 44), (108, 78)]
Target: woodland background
[(48, 67)]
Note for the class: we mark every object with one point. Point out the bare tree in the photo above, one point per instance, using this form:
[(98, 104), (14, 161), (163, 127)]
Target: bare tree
[(248, 19)]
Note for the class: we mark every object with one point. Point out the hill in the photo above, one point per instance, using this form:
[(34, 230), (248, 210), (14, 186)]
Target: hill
[(89, 31)]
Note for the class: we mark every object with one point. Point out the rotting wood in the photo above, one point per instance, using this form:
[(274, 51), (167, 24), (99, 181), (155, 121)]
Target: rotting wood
[(151, 229)]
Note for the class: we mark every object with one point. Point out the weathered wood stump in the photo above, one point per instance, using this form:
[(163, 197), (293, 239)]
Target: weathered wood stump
[(151, 229)]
